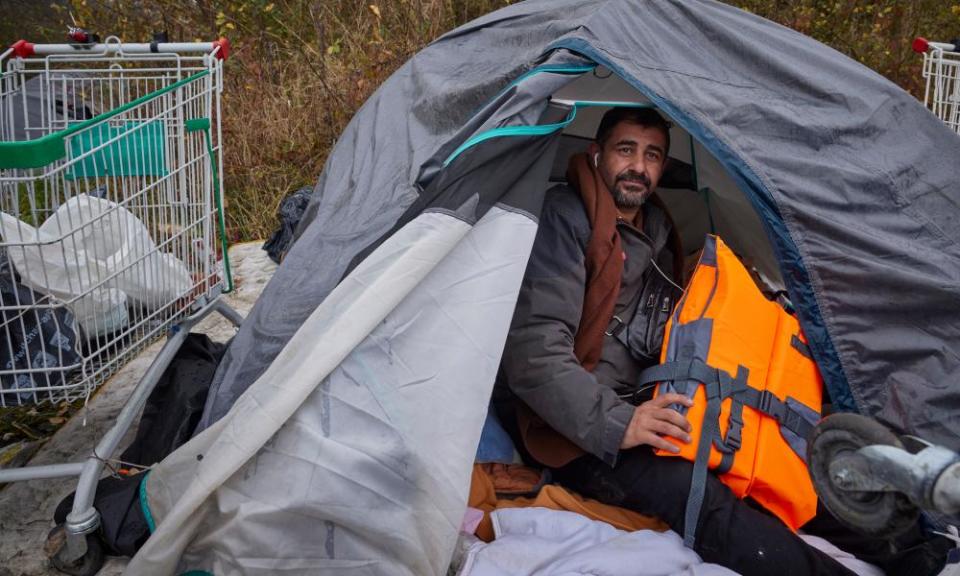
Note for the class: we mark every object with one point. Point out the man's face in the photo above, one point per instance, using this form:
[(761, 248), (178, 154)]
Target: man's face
[(631, 162)]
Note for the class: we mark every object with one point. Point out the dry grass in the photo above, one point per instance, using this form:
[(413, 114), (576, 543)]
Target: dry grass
[(301, 68), (33, 423), (298, 71), (292, 90)]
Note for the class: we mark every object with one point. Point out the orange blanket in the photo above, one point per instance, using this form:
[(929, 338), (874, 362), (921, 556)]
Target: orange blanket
[(483, 496)]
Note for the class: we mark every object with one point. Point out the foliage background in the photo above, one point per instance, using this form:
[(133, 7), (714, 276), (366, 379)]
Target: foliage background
[(300, 68)]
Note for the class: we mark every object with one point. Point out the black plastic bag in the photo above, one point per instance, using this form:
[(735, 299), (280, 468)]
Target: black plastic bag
[(291, 211), (168, 421), (123, 525), (176, 403), (32, 336)]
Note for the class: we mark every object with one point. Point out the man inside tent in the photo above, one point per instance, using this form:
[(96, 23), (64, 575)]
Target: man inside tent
[(598, 243)]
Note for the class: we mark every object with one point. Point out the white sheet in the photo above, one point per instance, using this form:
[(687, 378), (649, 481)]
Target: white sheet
[(540, 542), (543, 542)]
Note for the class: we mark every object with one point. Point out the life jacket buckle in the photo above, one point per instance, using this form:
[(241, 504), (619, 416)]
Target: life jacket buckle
[(733, 439), (769, 404)]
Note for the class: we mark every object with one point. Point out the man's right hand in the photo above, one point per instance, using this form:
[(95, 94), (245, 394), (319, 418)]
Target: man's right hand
[(653, 419)]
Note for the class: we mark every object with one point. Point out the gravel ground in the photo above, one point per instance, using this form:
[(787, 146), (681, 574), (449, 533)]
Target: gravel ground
[(26, 508)]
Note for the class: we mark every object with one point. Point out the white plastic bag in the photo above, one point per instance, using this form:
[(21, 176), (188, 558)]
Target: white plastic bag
[(95, 255), (101, 312)]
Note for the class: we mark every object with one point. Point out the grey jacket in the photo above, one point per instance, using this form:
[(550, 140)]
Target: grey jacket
[(539, 366)]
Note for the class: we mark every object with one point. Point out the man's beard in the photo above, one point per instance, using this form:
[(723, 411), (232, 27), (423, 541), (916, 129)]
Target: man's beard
[(625, 199)]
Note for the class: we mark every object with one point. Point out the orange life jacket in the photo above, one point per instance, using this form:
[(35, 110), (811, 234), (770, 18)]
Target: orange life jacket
[(756, 389)]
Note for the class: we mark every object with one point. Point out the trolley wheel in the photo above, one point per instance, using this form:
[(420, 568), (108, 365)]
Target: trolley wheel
[(87, 565), (878, 514)]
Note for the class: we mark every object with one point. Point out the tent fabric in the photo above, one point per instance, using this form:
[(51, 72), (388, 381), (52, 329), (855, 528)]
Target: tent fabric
[(360, 401), (343, 419), (863, 221), (352, 473), (365, 190)]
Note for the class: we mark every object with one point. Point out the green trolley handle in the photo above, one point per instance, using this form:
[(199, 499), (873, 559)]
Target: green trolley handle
[(204, 124)]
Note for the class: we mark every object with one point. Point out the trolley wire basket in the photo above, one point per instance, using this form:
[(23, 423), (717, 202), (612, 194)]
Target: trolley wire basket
[(941, 74), (110, 209), (111, 228)]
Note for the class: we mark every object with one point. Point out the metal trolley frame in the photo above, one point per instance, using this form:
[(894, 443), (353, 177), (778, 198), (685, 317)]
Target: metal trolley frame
[(111, 227), (941, 71)]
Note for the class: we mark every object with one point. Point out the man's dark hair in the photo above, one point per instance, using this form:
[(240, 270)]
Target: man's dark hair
[(646, 117)]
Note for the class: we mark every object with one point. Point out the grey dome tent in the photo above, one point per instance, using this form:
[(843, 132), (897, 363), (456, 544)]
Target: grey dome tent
[(342, 425)]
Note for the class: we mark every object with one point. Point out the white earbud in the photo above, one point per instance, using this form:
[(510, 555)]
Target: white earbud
[(596, 160)]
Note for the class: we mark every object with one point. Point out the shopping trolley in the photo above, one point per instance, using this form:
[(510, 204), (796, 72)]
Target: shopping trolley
[(111, 227), (941, 71)]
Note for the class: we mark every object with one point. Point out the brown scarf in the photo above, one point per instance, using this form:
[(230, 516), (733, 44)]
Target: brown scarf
[(604, 262)]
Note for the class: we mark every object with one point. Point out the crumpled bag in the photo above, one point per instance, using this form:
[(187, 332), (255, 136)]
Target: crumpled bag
[(291, 212), (32, 337), (78, 249)]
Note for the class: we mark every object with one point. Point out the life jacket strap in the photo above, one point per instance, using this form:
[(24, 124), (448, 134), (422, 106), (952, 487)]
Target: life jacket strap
[(691, 369), (698, 479), (796, 421), (801, 347), (788, 414), (733, 440), (792, 416), (718, 385)]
